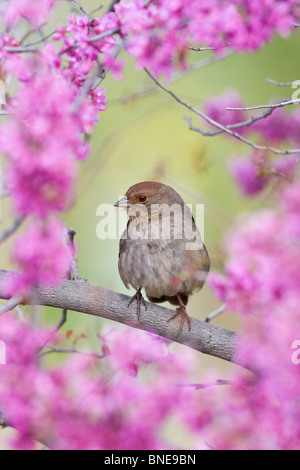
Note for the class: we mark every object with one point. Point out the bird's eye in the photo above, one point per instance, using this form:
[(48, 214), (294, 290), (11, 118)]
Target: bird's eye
[(142, 199)]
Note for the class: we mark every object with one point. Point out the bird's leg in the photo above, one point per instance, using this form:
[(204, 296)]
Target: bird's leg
[(181, 311), (139, 299)]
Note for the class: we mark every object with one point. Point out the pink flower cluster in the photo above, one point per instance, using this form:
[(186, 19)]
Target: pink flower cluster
[(259, 168), (82, 50), (89, 402), (124, 398), (41, 141), (159, 32)]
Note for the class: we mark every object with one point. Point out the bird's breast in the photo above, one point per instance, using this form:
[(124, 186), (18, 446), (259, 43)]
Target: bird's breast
[(154, 263)]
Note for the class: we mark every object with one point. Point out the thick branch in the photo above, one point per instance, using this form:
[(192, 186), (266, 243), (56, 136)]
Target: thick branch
[(86, 298)]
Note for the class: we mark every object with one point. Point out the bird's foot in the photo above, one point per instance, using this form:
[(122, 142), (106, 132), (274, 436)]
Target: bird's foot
[(139, 300), (181, 311)]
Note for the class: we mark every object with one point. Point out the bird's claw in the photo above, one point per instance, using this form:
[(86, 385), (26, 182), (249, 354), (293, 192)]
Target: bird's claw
[(181, 311), (139, 299)]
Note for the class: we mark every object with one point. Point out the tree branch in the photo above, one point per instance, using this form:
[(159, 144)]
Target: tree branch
[(222, 128), (11, 229), (10, 304), (80, 296), (281, 104)]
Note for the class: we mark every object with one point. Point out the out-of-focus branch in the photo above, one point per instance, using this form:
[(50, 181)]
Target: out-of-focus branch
[(11, 229), (80, 6), (88, 299)]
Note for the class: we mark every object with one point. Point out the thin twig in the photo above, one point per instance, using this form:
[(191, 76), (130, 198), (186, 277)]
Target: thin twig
[(201, 49), (84, 90), (53, 349), (10, 304), (91, 39), (74, 265), (41, 40), (63, 319), (75, 272), (110, 9), (281, 104), (91, 12)]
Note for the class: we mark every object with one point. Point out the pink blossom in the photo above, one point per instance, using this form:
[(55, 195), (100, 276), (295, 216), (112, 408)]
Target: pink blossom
[(42, 254)]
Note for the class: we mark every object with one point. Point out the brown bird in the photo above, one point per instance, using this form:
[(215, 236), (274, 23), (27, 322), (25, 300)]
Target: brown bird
[(161, 249)]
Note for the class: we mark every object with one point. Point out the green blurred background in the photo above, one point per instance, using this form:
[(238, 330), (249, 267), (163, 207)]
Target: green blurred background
[(148, 138)]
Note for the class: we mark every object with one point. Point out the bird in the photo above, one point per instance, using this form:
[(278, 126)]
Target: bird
[(161, 250)]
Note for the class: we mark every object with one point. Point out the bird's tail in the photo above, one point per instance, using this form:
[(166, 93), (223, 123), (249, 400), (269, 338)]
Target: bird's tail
[(173, 300)]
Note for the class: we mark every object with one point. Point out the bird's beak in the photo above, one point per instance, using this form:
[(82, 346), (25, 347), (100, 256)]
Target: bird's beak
[(123, 202)]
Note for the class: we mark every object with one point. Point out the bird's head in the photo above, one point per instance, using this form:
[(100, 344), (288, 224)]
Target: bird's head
[(148, 195)]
